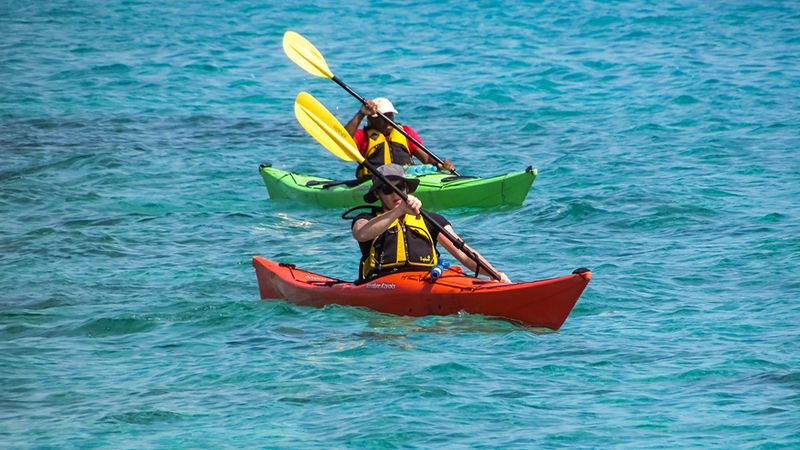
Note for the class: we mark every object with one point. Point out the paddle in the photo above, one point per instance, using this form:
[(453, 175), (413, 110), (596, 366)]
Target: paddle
[(305, 55), (323, 126)]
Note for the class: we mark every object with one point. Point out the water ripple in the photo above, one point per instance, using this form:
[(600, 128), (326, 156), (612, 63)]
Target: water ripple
[(131, 206)]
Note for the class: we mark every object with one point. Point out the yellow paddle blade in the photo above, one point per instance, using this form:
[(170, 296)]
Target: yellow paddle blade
[(305, 55), (324, 127)]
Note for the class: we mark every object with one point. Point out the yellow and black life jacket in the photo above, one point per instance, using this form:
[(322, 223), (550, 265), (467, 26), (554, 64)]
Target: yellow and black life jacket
[(380, 152), (407, 242)]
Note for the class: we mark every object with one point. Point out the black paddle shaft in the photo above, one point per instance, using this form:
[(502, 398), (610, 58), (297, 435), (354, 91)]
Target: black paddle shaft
[(396, 127), (456, 241)]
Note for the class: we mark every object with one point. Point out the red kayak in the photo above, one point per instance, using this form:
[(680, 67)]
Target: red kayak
[(544, 303)]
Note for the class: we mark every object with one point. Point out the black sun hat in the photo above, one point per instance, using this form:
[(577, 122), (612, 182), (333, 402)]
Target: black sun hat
[(395, 174)]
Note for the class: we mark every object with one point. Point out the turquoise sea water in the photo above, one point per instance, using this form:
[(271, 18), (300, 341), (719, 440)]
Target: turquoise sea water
[(130, 206)]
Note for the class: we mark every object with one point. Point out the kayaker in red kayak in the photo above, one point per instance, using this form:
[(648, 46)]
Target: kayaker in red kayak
[(397, 236), (372, 140)]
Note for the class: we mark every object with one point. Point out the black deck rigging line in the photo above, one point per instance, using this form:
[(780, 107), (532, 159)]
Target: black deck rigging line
[(330, 184)]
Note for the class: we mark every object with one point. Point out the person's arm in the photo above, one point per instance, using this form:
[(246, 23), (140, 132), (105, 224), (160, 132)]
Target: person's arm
[(366, 230), (463, 258), (367, 109)]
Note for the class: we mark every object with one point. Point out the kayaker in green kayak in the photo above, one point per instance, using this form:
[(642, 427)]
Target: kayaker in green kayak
[(380, 143), (397, 236)]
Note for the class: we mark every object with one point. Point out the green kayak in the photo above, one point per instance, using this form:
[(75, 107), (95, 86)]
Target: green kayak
[(437, 190)]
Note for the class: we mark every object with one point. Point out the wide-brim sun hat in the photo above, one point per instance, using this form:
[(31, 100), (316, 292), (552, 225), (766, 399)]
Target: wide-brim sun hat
[(395, 174)]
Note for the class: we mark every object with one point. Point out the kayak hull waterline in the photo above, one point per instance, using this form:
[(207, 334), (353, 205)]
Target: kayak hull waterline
[(543, 304), (438, 190)]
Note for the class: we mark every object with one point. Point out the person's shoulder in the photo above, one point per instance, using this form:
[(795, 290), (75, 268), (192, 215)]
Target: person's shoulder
[(415, 136), (367, 215), (359, 134), (409, 129)]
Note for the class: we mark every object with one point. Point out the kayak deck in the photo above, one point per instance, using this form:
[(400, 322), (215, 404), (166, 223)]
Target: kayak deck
[(544, 303), (437, 190)]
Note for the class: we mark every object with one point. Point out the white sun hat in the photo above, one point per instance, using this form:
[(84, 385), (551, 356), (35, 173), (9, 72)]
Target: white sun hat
[(384, 106)]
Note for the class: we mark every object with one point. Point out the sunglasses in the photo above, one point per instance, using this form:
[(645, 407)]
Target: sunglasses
[(386, 189)]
